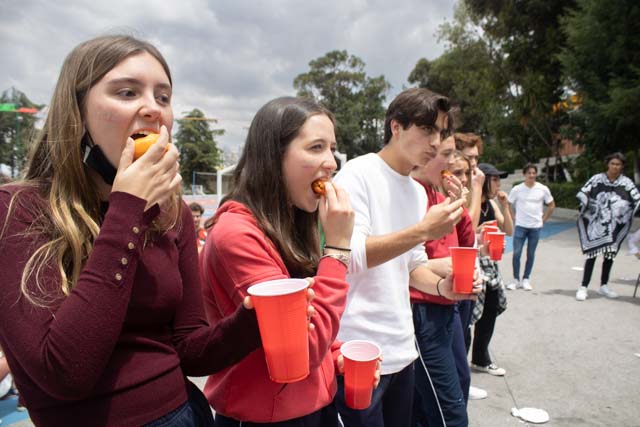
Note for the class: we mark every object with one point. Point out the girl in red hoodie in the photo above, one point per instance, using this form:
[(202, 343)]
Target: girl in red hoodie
[(267, 228)]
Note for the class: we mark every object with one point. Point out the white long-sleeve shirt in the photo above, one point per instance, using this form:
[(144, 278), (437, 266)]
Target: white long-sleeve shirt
[(378, 307)]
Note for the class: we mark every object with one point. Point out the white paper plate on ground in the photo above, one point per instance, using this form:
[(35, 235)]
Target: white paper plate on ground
[(531, 415)]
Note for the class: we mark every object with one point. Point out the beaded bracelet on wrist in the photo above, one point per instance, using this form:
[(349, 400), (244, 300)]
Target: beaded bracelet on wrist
[(340, 257)]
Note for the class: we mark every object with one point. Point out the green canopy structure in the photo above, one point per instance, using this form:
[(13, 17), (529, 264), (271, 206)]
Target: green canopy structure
[(8, 107)]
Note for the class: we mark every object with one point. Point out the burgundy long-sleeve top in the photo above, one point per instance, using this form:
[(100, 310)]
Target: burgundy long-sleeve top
[(116, 350)]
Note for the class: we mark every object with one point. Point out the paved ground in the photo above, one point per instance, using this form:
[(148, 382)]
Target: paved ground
[(574, 359)]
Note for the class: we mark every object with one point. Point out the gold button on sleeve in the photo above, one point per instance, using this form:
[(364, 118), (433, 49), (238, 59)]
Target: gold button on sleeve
[(131, 246), (136, 230), (124, 261), (118, 276)]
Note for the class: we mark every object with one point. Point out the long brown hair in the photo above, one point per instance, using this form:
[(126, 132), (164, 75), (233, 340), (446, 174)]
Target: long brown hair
[(55, 168), (258, 182)]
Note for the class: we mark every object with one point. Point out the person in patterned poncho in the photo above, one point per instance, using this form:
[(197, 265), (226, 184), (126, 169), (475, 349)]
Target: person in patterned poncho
[(607, 204)]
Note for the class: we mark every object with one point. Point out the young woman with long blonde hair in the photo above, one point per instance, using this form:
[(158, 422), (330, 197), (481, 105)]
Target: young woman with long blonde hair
[(102, 312)]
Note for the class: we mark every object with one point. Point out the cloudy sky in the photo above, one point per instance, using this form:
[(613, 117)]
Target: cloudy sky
[(227, 57)]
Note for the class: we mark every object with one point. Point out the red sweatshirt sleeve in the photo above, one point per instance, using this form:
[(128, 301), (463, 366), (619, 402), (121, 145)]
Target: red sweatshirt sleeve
[(239, 255), (64, 349), (205, 350), (464, 228)]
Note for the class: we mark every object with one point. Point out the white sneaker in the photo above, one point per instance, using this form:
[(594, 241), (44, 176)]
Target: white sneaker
[(476, 393), (604, 290), (5, 385), (581, 295), (491, 369), (526, 285), (513, 285)]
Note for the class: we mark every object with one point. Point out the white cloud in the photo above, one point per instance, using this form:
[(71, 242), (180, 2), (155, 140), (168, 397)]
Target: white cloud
[(227, 57)]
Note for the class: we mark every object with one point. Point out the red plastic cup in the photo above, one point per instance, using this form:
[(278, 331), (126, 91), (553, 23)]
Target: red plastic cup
[(281, 309), (492, 223), (496, 245), (489, 229), (360, 360), (463, 261)]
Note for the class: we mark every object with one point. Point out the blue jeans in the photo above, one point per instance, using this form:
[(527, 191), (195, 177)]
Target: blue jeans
[(531, 235), (434, 326), (324, 417), (195, 412), (180, 417), (465, 308), (390, 403), (459, 349)]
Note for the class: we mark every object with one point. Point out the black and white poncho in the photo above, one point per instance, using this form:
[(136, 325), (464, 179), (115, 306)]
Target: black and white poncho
[(606, 213)]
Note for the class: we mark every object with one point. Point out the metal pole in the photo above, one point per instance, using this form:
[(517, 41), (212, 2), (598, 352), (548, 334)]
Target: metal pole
[(15, 145)]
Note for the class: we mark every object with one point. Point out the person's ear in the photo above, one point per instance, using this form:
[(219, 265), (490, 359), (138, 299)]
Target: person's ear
[(395, 127)]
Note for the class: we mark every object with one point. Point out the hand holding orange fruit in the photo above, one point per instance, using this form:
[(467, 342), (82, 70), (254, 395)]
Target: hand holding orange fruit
[(142, 144)]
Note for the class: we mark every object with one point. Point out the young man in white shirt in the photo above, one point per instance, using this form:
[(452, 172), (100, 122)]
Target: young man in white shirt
[(387, 252), (528, 199)]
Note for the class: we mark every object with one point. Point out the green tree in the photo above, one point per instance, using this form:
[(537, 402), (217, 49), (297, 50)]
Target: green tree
[(16, 130), (500, 66), (467, 73), (601, 62), (526, 39), (339, 82), (198, 148), (464, 72)]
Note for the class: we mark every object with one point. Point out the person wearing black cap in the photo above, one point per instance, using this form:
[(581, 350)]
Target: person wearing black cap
[(493, 301), (490, 170)]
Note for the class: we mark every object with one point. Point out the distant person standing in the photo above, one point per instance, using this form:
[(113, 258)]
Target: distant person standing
[(607, 204), (197, 211), (528, 199)]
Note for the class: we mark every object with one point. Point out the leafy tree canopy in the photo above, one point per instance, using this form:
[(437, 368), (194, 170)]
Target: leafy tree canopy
[(198, 147), (16, 130), (500, 67), (601, 63), (339, 82)]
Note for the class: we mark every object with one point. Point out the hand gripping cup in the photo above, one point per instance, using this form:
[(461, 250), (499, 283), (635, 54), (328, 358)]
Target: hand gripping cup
[(281, 309), (496, 245), (463, 261), (360, 361)]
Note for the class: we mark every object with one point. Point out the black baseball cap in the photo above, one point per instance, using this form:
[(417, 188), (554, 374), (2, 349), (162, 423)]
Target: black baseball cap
[(490, 170)]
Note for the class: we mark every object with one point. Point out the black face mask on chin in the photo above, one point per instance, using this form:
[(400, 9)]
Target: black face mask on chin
[(93, 157)]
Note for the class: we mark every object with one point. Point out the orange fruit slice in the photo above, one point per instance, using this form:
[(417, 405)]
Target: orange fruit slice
[(144, 143)]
